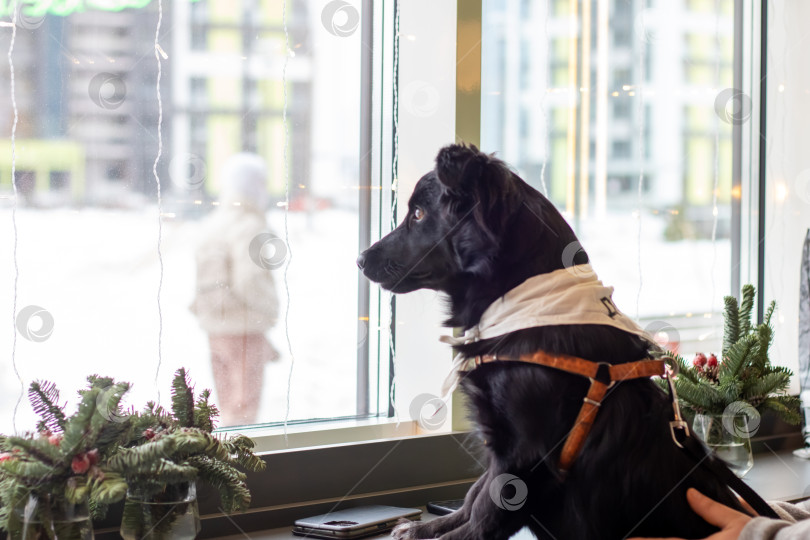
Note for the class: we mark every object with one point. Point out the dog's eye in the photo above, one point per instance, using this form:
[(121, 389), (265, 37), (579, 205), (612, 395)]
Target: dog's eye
[(418, 214)]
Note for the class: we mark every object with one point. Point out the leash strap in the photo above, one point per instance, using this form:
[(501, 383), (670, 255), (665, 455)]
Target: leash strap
[(705, 457)]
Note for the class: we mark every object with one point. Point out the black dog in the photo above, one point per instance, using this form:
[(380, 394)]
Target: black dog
[(475, 230)]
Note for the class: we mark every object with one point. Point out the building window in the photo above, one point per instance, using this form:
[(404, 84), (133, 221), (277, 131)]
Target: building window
[(198, 89), (59, 180), (199, 37), (622, 37), (618, 185), (622, 8), (620, 149), (622, 109), (622, 77)]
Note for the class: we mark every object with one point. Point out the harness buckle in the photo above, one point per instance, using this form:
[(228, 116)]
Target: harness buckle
[(678, 422)]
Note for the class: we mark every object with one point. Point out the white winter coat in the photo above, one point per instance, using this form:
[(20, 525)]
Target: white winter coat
[(234, 294)]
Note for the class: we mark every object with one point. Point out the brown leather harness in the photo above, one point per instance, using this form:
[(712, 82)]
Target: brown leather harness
[(602, 375)]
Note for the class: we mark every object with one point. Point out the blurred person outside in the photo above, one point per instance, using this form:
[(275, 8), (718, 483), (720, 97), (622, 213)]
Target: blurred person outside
[(236, 302)]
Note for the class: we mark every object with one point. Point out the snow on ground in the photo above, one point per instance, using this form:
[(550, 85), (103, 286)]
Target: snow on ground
[(676, 276), (96, 271)]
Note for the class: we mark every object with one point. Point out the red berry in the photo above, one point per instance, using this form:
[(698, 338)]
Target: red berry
[(80, 464), (56, 439), (700, 360), (6, 456), (712, 361), (92, 455), (149, 434)]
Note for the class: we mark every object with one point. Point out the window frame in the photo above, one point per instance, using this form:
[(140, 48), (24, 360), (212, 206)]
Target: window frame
[(749, 173), (309, 437), (378, 140)]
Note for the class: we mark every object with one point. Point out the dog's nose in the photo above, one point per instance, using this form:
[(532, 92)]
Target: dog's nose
[(361, 260)]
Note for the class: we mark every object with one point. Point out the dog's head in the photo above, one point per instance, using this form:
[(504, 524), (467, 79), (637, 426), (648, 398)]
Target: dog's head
[(471, 222), (451, 226)]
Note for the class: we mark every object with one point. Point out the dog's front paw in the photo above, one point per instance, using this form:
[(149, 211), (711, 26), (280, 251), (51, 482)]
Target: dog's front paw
[(405, 530), (401, 531)]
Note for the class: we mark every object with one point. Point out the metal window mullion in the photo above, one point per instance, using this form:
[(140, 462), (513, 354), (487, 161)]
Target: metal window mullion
[(737, 156), (751, 174), (762, 178), (364, 193)]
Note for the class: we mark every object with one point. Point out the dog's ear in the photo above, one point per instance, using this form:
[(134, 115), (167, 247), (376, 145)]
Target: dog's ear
[(458, 165), (477, 181), (480, 188)]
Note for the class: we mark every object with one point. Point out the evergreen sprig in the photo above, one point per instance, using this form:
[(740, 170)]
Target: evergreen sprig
[(745, 373), (745, 310), (182, 399), (44, 398), (205, 412), (178, 446), (101, 452), (63, 461), (731, 331), (226, 479)]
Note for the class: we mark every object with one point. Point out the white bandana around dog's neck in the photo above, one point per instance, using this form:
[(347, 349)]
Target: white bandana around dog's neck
[(571, 295)]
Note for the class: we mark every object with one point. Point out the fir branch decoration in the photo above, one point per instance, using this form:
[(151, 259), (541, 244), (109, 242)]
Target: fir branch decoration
[(182, 399), (101, 453), (63, 462), (44, 399), (165, 448), (746, 308), (205, 412), (745, 373), (731, 332)]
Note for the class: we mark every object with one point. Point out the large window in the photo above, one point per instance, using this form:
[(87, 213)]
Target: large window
[(630, 135), (621, 111), (261, 205)]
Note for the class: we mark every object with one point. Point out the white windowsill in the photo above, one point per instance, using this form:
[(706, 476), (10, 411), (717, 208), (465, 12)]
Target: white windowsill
[(330, 433)]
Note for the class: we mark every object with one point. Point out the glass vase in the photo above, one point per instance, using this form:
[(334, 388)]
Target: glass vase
[(43, 516), (728, 435), (172, 513)]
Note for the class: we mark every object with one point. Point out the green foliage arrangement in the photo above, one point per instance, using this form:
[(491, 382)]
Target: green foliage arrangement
[(168, 450), (64, 463), (102, 454), (170, 447), (745, 374)]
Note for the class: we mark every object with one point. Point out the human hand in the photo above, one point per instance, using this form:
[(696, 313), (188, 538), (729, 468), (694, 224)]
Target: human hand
[(730, 521)]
